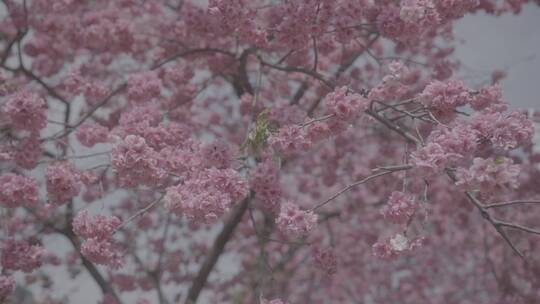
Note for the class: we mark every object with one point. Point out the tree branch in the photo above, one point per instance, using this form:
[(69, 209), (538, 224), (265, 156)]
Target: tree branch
[(215, 252), (105, 286), (510, 203), (387, 170), (394, 127)]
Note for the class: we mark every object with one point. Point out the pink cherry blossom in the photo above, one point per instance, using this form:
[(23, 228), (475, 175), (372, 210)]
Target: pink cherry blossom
[(206, 196), (20, 255), (326, 260), (143, 86), (445, 97), (98, 245), (63, 182), (264, 180), (90, 134), (504, 131), (290, 139), (399, 208), (294, 222), (7, 285), (489, 174), (26, 111), (17, 190), (430, 159), (135, 162), (345, 105), (27, 152), (274, 301)]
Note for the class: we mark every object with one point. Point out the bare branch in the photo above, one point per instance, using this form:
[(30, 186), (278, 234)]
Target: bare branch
[(316, 54), (517, 227), (215, 252), (406, 134), (511, 203), (139, 213), (363, 181)]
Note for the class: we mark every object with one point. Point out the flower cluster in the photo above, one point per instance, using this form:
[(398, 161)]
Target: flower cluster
[(98, 245), (430, 159), (63, 182), (103, 30), (274, 301), (264, 181), (396, 245), (21, 255), (134, 162), (17, 190), (26, 111), (399, 208), (455, 8), (217, 154), (489, 174), (486, 97), (460, 140), (90, 134), (294, 222), (421, 12), (207, 196), (345, 105), (326, 260), (7, 285), (290, 139), (27, 153), (504, 131), (318, 131), (95, 92), (444, 97), (136, 120), (390, 24), (142, 87), (171, 134), (393, 85)]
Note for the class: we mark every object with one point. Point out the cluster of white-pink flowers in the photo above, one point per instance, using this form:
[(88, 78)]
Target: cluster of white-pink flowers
[(430, 159), (17, 190), (395, 245), (264, 181), (345, 105), (142, 87), (7, 285), (208, 195), (325, 259), (290, 139), (134, 162), (295, 222), (489, 174), (26, 111), (90, 134), (63, 182), (21, 255), (399, 208), (98, 245)]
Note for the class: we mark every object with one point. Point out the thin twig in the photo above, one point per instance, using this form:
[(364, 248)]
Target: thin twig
[(360, 182), (139, 213), (511, 203)]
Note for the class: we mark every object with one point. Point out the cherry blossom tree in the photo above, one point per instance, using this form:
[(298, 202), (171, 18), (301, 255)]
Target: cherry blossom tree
[(260, 151)]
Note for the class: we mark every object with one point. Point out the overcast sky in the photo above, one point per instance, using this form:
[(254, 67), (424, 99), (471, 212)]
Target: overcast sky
[(509, 42)]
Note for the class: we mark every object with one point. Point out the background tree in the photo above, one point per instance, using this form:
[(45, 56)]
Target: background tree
[(235, 151)]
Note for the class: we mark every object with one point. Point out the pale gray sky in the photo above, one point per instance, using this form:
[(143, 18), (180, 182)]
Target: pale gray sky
[(508, 42)]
